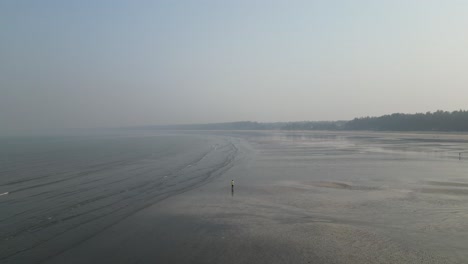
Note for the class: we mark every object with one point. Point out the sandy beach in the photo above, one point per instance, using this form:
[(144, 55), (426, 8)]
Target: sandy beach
[(307, 198)]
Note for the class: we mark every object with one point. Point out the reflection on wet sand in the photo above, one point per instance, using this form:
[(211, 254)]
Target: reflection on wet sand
[(309, 197)]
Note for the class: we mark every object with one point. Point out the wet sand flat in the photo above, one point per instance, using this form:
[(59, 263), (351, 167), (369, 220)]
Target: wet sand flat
[(305, 197), (352, 201)]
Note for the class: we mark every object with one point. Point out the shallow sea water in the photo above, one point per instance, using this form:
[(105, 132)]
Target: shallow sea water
[(300, 197), (60, 191)]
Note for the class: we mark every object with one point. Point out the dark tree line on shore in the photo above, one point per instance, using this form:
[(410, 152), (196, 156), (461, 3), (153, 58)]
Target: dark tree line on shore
[(430, 121), (435, 121)]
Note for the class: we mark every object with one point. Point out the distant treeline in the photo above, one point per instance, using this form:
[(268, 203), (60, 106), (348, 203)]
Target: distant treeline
[(430, 121), (436, 121)]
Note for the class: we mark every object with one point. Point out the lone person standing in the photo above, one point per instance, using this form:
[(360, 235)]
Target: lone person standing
[(232, 185)]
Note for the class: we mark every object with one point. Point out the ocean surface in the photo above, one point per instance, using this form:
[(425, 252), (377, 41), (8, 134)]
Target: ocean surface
[(300, 197), (59, 191)]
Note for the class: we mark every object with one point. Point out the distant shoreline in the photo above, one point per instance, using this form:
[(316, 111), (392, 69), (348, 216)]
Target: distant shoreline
[(439, 121)]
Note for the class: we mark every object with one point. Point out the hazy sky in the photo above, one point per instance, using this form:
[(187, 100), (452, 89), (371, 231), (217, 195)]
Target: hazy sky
[(66, 64)]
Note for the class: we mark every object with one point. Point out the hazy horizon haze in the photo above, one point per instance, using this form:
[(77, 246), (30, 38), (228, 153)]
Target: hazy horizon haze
[(129, 63)]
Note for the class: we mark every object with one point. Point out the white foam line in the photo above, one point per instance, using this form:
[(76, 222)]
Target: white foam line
[(5, 193)]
